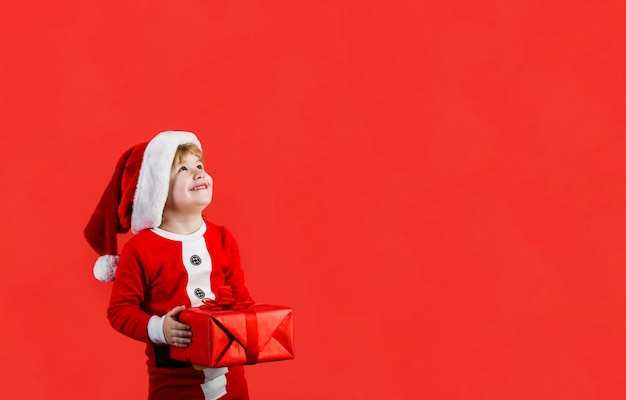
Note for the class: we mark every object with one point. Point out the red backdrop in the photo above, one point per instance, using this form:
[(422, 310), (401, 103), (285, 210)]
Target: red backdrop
[(436, 188)]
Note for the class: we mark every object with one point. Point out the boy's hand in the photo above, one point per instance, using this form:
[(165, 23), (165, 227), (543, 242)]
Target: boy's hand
[(176, 333)]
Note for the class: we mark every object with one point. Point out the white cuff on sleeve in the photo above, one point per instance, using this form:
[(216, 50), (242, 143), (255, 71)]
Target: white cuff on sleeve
[(155, 330)]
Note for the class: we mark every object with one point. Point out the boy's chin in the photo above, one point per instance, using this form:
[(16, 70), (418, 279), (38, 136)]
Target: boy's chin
[(204, 203), (197, 205), (201, 198)]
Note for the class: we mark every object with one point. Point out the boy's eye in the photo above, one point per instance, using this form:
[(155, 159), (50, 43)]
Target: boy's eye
[(183, 168), (200, 166)]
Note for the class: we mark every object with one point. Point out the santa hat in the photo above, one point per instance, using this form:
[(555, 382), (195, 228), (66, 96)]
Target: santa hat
[(134, 198)]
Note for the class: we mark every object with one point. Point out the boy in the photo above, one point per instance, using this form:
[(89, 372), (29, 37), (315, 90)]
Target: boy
[(175, 260)]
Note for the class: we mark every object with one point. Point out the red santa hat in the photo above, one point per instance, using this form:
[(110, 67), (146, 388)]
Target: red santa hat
[(134, 198)]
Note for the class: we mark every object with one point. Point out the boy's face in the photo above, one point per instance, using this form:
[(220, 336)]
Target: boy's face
[(191, 188)]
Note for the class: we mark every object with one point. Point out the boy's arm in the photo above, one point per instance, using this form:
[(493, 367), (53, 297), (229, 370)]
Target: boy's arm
[(125, 312), (127, 295)]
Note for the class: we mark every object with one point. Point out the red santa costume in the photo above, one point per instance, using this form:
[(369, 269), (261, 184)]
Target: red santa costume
[(158, 270)]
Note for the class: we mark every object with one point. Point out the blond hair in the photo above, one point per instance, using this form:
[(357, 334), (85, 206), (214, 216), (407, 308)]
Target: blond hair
[(184, 150)]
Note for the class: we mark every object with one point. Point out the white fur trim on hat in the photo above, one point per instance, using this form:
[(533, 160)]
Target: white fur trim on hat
[(154, 178), (105, 267)]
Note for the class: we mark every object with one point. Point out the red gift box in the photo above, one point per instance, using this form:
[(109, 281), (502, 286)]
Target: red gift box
[(239, 335)]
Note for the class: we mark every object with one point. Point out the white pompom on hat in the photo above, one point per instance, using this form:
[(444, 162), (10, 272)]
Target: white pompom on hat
[(134, 198)]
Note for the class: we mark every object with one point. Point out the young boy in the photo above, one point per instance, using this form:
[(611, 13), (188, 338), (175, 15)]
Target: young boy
[(176, 259)]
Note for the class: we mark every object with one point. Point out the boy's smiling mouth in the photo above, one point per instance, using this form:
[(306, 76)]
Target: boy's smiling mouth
[(202, 186)]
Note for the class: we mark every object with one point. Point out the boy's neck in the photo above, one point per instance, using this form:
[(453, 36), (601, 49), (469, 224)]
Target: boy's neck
[(181, 224)]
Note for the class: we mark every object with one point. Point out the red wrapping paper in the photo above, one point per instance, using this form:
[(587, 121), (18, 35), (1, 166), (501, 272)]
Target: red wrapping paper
[(241, 336)]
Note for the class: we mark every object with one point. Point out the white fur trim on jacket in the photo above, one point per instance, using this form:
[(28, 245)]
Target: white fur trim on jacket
[(154, 178)]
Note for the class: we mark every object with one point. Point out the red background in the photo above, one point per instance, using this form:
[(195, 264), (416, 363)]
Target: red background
[(436, 188)]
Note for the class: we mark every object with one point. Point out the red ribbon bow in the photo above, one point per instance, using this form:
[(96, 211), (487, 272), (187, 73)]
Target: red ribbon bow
[(225, 300)]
